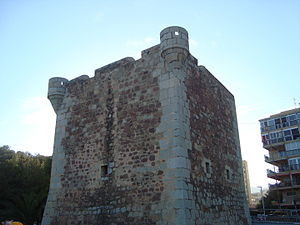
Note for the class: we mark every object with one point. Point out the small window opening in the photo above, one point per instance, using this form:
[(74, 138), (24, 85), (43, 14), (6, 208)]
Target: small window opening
[(104, 171), (207, 167), (176, 33), (227, 174)]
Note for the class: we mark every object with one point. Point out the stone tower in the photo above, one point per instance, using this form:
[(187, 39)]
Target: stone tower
[(147, 141)]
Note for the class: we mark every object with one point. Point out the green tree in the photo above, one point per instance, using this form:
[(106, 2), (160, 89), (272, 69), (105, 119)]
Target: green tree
[(271, 200), (24, 184)]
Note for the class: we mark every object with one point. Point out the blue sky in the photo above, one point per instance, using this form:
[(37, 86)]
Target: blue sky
[(252, 47)]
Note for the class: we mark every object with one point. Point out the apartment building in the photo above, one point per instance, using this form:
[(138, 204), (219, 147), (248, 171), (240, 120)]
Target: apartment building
[(281, 137)]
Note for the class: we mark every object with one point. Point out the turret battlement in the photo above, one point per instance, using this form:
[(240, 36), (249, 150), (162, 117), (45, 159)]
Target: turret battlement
[(174, 44), (56, 91), (174, 37)]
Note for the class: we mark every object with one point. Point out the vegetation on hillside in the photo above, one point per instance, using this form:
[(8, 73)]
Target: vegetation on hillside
[(24, 184)]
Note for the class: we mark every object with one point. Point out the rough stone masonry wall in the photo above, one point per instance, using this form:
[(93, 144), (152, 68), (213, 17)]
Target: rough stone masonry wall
[(146, 142), (111, 120), (216, 166)]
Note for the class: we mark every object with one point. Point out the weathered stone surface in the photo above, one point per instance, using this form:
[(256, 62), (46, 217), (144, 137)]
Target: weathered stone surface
[(151, 141)]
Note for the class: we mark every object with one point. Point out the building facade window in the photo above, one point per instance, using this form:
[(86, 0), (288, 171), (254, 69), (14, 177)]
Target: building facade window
[(207, 167), (281, 136), (280, 122), (292, 146), (293, 119), (294, 163), (295, 133)]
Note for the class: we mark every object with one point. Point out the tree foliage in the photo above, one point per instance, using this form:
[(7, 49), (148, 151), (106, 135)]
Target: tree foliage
[(24, 184), (271, 200)]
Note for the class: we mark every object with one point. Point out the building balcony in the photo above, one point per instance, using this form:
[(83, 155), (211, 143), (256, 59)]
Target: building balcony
[(284, 171), (278, 138), (283, 125), (273, 142), (282, 155), (284, 186)]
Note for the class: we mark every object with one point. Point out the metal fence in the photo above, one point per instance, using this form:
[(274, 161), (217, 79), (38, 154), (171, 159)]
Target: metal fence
[(279, 215)]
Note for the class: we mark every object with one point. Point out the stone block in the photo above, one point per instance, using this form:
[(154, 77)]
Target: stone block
[(179, 152), (178, 162)]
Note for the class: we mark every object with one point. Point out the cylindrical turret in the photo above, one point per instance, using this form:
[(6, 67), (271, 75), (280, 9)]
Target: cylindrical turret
[(56, 91), (174, 44)]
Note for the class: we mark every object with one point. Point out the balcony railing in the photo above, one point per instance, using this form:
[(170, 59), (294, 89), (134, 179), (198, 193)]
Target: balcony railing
[(282, 155), (283, 185), (281, 125), (283, 169), (280, 185), (279, 140)]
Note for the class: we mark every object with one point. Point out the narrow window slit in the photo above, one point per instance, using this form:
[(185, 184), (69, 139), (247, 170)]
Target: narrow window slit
[(207, 167), (227, 174), (104, 171)]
